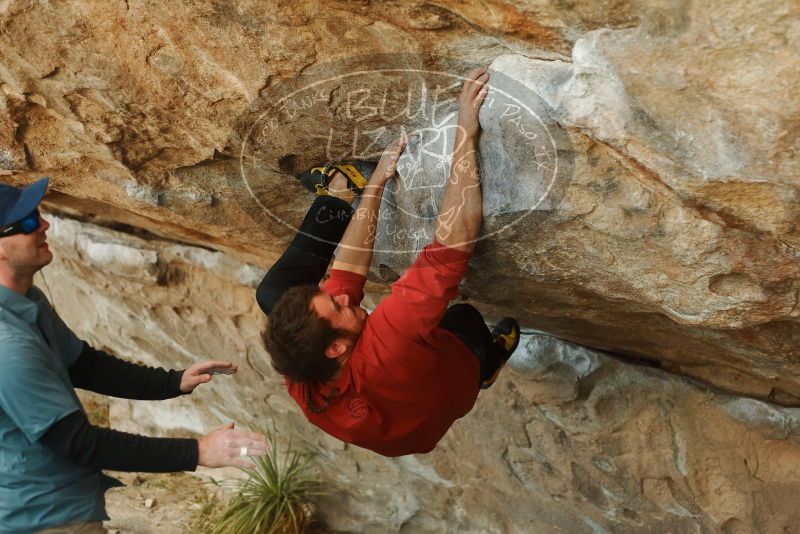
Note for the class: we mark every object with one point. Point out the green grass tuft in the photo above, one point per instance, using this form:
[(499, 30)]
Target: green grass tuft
[(275, 498)]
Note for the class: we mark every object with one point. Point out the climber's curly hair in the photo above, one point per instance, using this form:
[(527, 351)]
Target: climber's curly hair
[(296, 338)]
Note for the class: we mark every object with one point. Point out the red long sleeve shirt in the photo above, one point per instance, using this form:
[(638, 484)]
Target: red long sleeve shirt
[(407, 380)]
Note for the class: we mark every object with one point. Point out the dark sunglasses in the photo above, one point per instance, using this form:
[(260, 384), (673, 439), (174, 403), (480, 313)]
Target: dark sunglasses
[(28, 225)]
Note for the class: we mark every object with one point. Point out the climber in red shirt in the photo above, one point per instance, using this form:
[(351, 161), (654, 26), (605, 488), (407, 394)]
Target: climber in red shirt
[(395, 380)]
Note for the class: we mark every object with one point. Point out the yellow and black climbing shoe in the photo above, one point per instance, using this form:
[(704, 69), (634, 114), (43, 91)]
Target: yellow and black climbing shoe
[(357, 173), (506, 335)]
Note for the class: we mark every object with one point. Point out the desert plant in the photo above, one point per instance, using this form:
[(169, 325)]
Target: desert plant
[(276, 496)]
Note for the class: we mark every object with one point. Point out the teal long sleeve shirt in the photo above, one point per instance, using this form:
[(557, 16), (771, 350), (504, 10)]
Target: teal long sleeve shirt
[(37, 488)]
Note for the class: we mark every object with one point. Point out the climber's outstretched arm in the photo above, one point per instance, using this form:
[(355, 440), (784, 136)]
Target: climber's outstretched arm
[(355, 249), (460, 215)]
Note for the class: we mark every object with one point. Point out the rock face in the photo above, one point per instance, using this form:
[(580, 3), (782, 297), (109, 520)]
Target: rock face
[(670, 230), (640, 164), (568, 439)]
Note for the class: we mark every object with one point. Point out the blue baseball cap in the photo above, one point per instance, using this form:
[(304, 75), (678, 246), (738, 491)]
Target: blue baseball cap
[(16, 203)]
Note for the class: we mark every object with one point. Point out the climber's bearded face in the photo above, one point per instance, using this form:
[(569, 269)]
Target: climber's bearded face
[(339, 313), (348, 319), (24, 254)]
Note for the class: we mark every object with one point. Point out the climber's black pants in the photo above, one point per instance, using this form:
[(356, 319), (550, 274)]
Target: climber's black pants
[(308, 255), (466, 322), (310, 252)]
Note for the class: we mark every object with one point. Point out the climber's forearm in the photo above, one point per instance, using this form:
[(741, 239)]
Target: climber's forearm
[(355, 249), (459, 220)]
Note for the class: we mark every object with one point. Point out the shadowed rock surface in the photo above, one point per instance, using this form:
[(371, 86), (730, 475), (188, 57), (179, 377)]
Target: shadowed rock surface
[(669, 236), (567, 440), (671, 233)]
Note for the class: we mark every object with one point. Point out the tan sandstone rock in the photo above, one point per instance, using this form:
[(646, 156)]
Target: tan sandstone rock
[(671, 241), (675, 238), (568, 440)]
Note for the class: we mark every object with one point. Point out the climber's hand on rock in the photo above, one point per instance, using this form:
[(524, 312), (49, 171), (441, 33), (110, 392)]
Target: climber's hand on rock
[(200, 373), (469, 103), (387, 166), (224, 447)]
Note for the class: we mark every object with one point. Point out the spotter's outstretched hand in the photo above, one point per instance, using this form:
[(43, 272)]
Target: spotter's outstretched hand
[(225, 446), (200, 373)]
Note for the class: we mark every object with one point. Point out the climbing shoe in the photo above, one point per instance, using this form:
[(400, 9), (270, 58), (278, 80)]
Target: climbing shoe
[(506, 334), (357, 173)]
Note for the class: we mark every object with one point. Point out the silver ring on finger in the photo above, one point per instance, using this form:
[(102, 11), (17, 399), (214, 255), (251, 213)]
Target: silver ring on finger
[(243, 451)]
